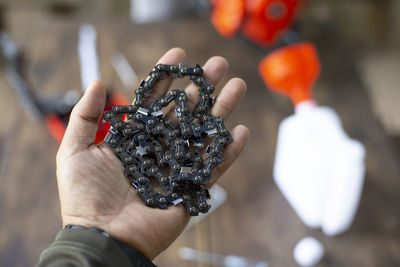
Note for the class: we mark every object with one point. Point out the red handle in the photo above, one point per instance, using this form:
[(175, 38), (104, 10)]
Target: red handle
[(56, 126)]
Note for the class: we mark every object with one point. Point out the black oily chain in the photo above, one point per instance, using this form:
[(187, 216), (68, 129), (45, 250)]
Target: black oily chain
[(153, 142)]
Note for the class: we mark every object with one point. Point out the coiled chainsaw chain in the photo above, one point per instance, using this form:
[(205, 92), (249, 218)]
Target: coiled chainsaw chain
[(157, 152)]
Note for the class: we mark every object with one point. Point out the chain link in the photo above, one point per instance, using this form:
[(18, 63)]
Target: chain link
[(156, 152)]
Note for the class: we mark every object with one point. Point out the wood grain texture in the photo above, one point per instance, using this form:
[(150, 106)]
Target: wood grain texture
[(256, 221)]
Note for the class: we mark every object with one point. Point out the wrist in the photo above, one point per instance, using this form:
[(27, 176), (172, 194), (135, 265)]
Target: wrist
[(144, 233)]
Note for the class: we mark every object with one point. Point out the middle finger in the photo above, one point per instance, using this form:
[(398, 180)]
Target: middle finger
[(214, 70)]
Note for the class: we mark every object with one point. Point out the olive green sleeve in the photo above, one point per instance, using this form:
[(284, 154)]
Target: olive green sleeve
[(83, 247)]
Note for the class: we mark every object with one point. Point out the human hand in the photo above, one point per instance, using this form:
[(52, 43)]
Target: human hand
[(93, 189)]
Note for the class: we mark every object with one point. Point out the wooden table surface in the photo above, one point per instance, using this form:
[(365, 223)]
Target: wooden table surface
[(256, 221)]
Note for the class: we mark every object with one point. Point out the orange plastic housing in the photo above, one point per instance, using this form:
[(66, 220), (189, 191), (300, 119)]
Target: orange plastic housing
[(292, 71), (267, 19), (227, 16)]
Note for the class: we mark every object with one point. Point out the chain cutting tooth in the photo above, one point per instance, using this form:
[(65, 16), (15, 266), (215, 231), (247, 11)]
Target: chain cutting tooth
[(202, 197), (190, 206)]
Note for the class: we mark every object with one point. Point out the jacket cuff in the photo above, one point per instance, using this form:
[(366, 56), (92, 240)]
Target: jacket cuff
[(93, 246)]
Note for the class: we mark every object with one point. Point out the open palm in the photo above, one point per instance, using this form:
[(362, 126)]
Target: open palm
[(94, 191)]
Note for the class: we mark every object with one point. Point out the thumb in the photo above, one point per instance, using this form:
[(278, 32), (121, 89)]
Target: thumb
[(82, 126)]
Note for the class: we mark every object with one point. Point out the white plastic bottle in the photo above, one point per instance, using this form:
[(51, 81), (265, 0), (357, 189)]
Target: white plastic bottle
[(318, 168)]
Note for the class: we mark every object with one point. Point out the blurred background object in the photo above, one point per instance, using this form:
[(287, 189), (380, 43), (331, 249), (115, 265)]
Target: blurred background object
[(148, 11), (308, 252), (318, 168), (197, 256), (358, 44), (264, 22)]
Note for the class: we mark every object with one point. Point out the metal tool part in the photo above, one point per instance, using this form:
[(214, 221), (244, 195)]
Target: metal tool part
[(156, 152), (218, 259)]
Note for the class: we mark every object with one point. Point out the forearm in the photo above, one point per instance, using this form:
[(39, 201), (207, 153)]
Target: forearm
[(83, 247)]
